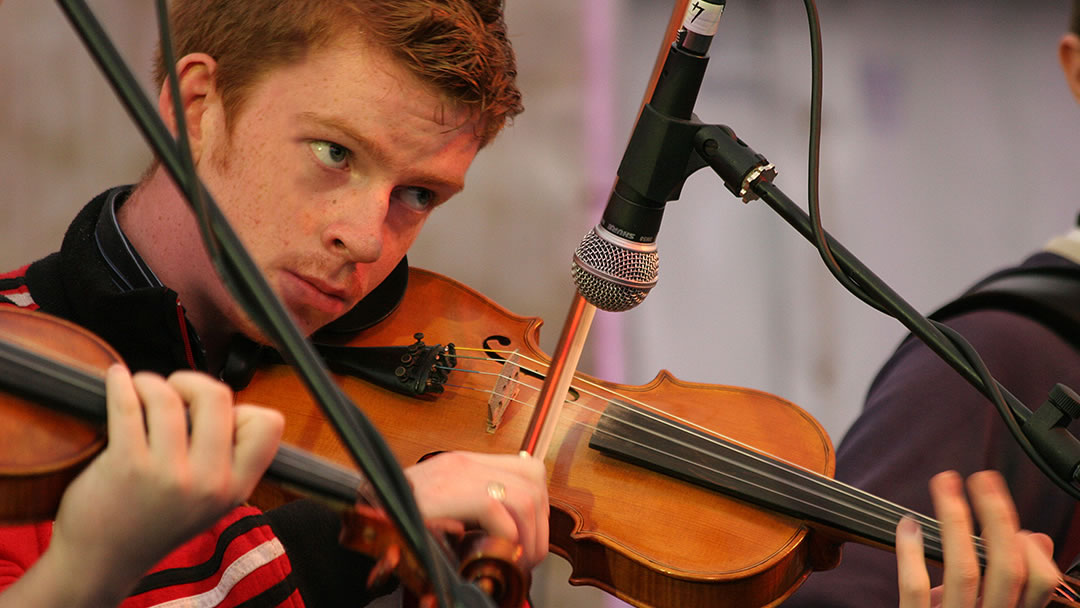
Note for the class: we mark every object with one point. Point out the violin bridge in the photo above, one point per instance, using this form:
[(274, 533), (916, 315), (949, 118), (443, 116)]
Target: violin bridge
[(505, 390)]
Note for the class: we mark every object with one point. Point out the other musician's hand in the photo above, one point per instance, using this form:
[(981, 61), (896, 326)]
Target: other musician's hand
[(506, 495), (1020, 570)]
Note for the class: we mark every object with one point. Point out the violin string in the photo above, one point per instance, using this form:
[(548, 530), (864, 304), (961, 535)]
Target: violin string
[(811, 477), (856, 496), (745, 450), (875, 505), (1066, 590), (931, 539)]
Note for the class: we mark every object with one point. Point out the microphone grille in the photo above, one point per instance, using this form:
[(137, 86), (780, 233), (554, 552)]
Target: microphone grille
[(611, 276)]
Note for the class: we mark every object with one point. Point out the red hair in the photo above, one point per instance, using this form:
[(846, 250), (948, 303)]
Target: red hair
[(459, 47)]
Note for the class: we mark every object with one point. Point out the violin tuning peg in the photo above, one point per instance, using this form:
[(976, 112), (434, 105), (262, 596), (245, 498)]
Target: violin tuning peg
[(428, 601), (376, 576), (386, 564), (393, 556)]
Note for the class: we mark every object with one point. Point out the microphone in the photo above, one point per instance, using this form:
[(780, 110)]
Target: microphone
[(616, 263)]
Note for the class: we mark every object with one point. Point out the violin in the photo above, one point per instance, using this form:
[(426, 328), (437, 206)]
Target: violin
[(53, 412), (667, 494)]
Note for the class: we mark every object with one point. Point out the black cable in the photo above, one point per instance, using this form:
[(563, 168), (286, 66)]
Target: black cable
[(813, 163), (183, 143), (944, 341), (241, 276), (1008, 415), (200, 207)]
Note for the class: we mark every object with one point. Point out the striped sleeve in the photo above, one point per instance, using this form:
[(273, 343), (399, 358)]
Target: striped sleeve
[(238, 562), (13, 290)]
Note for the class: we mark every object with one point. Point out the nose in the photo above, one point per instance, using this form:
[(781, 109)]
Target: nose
[(354, 226)]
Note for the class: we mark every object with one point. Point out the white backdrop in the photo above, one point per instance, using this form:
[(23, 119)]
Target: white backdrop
[(950, 149)]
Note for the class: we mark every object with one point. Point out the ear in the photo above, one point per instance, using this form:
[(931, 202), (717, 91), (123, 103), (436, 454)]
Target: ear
[(195, 73), (1069, 54)]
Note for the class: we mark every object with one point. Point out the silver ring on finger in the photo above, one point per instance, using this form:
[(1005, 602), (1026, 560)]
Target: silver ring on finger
[(496, 490)]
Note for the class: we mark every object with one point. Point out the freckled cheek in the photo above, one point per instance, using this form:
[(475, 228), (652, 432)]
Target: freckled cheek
[(273, 205), (401, 230), (282, 213), (281, 232)]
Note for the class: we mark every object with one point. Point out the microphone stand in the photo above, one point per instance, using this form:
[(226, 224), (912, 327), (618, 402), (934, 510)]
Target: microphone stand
[(665, 150), (748, 175), (1043, 434), (244, 281)]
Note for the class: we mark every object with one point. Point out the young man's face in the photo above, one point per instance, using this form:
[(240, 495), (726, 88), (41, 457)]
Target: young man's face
[(332, 168)]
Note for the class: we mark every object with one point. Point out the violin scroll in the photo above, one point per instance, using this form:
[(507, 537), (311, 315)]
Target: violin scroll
[(493, 564)]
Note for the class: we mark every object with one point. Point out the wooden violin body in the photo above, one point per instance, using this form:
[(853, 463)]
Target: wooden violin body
[(658, 530), (52, 403), (43, 450), (643, 536)]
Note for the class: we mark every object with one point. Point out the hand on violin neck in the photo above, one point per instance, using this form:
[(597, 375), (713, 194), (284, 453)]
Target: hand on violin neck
[(1019, 571), (506, 495), (156, 484)]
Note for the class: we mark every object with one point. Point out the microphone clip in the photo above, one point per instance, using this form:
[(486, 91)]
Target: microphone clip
[(735, 162), (1047, 430)]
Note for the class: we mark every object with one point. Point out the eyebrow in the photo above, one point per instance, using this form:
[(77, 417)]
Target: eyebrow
[(376, 152)]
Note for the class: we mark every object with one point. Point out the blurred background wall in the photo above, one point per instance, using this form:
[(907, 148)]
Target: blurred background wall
[(950, 149)]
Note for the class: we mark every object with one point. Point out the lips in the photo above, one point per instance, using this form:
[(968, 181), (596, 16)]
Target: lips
[(337, 292), (303, 292)]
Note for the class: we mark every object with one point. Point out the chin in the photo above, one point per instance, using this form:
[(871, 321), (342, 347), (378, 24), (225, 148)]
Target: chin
[(310, 324), (306, 320), (253, 332)]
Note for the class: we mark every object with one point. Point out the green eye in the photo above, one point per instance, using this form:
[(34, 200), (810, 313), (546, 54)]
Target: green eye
[(330, 154), (415, 197)]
